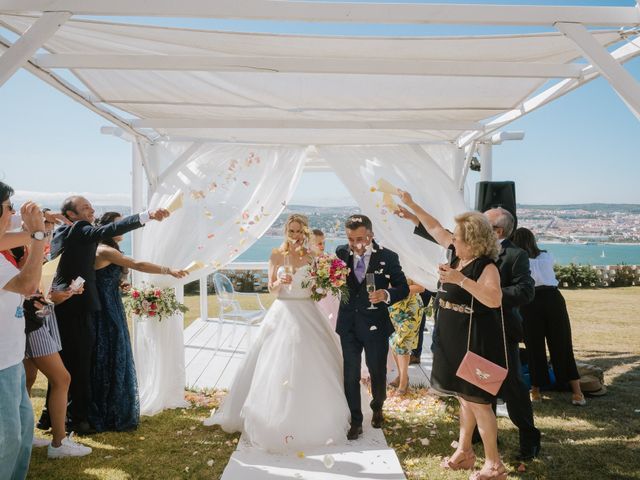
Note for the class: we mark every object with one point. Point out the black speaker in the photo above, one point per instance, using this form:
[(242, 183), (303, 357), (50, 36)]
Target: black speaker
[(496, 194)]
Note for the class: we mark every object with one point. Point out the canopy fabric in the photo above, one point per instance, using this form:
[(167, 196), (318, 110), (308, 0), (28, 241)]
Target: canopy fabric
[(425, 108), (231, 196), (412, 169)]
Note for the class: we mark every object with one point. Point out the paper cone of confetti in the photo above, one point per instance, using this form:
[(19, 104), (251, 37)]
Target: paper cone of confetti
[(175, 201), (193, 266), (385, 187), (48, 272), (388, 202)]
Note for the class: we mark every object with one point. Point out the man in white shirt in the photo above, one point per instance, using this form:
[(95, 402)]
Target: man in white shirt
[(16, 419)]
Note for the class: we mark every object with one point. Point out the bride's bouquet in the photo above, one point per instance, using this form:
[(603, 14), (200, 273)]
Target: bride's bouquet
[(327, 275)]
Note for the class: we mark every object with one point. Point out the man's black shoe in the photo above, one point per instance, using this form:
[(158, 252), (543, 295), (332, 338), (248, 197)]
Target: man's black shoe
[(529, 453), (83, 428), (44, 423), (377, 419), (354, 432)]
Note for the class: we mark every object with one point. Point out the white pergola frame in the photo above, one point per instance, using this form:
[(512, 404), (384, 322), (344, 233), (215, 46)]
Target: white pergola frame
[(569, 20)]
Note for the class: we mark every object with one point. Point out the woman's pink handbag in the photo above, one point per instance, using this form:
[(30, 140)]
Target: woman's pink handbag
[(478, 370)]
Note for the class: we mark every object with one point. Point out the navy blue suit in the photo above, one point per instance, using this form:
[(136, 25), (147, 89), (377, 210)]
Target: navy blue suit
[(360, 328), (77, 244)]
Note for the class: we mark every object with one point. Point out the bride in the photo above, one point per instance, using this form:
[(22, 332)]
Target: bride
[(288, 394)]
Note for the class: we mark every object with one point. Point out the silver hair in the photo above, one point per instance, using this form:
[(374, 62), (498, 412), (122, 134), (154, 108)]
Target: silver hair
[(505, 221)]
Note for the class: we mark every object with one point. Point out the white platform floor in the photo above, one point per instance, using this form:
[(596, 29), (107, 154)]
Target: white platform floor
[(213, 352)]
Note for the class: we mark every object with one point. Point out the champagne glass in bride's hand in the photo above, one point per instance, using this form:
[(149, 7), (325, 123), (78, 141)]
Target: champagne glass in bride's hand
[(287, 271), (449, 256), (371, 287)]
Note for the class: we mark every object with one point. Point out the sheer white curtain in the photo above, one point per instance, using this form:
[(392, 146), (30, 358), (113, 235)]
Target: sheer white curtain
[(415, 170), (232, 195)]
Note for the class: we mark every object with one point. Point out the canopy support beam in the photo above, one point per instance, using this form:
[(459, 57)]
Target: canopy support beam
[(620, 79), (180, 162), (465, 168), (343, 12), (624, 53), (29, 43), (303, 124), (72, 92), (368, 66)]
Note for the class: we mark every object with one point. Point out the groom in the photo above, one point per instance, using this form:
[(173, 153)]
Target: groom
[(360, 328)]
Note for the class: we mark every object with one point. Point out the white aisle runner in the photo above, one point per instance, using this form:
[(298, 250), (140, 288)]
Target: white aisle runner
[(369, 457)]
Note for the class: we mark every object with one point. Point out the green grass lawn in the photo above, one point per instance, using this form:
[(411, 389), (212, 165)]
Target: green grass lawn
[(599, 441)]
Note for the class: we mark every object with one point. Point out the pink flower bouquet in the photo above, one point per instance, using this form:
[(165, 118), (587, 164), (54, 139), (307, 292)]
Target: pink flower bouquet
[(327, 275), (153, 302)]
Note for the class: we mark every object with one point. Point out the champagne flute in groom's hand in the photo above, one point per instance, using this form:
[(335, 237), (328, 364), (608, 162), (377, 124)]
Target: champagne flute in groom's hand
[(371, 287)]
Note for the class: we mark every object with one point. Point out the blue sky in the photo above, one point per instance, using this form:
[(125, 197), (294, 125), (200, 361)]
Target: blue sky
[(581, 148)]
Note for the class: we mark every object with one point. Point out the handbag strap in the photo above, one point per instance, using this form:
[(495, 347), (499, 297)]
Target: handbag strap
[(504, 336)]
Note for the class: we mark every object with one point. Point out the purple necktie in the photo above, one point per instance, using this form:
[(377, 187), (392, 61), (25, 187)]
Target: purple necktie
[(360, 270)]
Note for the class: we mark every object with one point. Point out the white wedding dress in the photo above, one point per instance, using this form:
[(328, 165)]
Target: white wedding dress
[(288, 394)]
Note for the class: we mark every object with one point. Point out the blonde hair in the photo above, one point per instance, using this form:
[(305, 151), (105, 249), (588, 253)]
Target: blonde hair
[(304, 222), (477, 232)]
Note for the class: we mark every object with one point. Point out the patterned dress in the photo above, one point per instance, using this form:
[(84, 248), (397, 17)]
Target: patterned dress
[(406, 316)]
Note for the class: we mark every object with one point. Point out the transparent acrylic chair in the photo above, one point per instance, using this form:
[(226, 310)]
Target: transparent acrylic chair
[(231, 308)]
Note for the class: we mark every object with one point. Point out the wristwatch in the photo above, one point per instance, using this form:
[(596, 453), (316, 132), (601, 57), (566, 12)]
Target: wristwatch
[(38, 235)]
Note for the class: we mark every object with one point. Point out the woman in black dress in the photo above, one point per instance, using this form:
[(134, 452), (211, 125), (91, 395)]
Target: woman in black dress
[(472, 281)]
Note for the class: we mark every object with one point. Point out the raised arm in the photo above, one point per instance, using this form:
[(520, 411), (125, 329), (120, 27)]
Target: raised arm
[(416, 214), (28, 280), (88, 233), (111, 255)]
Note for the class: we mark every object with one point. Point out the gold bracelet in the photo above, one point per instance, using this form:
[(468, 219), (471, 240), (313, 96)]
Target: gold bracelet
[(164, 270)]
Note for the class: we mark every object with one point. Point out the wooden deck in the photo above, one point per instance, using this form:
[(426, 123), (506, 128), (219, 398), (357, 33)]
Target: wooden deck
[(214, 350)]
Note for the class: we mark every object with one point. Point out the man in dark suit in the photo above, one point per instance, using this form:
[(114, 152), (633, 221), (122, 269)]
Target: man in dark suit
[(518, 288), (362, 328), (77, 244)]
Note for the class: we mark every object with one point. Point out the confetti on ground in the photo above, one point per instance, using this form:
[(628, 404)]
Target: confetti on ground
[(210, 463), (373, 327), (300, 454), (328, 461)]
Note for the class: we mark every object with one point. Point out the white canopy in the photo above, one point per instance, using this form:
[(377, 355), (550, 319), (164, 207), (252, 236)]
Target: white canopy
[(293, 89)]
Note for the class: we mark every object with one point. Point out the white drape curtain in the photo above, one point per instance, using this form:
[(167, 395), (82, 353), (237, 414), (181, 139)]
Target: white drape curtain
[(159, 357), (232, 195), (414, 169)]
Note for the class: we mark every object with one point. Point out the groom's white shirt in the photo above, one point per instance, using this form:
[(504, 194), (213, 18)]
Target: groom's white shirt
[(366, 256)]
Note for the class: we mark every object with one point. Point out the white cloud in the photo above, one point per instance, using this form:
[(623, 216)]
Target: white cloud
[(56, 198)]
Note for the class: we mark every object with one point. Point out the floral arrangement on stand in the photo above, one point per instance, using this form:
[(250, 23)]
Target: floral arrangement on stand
[(327, 275), (153, 302)]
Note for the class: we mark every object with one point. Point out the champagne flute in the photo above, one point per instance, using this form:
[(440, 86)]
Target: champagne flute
[(371, 287), (449, 254), (288, 270)]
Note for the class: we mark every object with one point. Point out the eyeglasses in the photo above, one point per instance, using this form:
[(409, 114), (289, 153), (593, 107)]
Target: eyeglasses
[(9, 205)]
